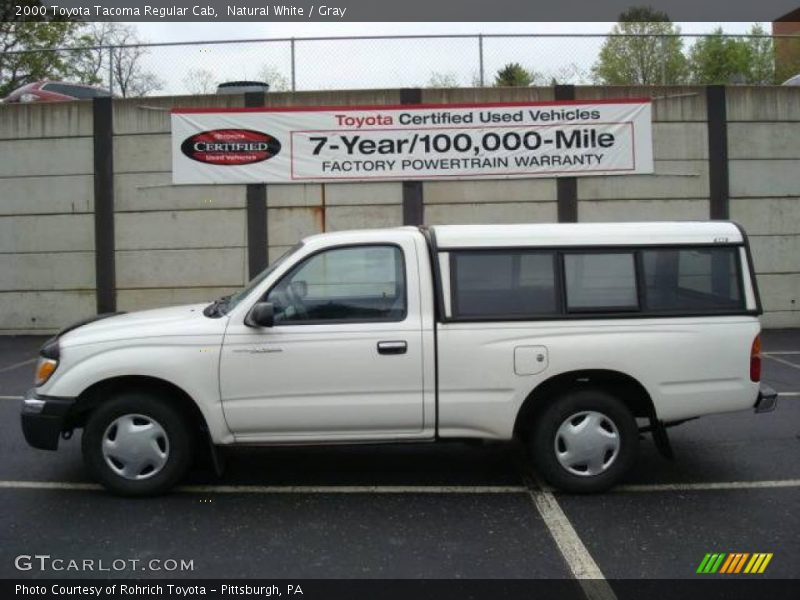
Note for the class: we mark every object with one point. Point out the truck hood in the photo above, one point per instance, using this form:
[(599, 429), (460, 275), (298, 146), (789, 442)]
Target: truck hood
[(186, 320)]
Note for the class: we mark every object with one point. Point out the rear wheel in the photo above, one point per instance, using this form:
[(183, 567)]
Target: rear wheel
[(136, 444), (584, 441)]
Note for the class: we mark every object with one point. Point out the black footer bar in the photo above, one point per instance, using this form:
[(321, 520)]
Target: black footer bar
[(703, 587)]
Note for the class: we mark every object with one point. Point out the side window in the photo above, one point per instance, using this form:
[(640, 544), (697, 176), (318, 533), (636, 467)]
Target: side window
[(599, 282), (692, 279), (502, 284), (353, 284), (76, 91)]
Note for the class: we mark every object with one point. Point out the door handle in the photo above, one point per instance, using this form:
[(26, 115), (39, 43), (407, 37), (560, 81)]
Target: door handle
[(395, 347)]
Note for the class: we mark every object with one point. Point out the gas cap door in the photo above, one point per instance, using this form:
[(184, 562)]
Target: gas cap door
[(530, 360)]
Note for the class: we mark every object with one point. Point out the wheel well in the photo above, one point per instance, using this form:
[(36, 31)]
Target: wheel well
[(92, 396), (623, 386)]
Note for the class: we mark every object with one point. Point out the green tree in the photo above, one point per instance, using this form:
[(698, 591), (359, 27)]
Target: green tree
[(762, 56), (717, 58), (18, 67), (77, 63), (514, 75), (722, 59), (643, 48)]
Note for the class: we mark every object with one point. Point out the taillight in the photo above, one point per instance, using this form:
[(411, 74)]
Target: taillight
[(755, 359)]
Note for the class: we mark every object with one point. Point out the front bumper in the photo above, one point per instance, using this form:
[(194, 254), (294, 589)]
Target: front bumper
[(767, 399), (43, 419)]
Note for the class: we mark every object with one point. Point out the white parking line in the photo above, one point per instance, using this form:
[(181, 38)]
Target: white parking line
[(708, 486), (543, 496), (10, 397), (352, 489), (48, 485), (580, 562), (777, 352), (783, 361), (19, 364), (288, 489)]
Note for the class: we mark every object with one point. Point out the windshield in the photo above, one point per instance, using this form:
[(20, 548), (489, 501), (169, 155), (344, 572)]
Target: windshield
[(226, 304)]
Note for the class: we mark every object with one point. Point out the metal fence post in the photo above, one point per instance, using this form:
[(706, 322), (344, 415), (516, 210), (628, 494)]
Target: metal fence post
[(718, 168), (292, 52), (257, 214), (104, 238), (566, 187), (413, 199), (111, 70), (480, 57)]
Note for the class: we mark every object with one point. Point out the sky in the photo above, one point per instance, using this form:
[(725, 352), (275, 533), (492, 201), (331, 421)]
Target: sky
[(323, 65), (168, 32)]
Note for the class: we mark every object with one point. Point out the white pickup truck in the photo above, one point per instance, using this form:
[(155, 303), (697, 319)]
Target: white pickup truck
[(573, 338)]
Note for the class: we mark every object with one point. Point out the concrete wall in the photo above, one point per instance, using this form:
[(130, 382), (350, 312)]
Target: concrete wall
[(46, 223), (679, 189), (764, 164), (174, 245), (177, 244)]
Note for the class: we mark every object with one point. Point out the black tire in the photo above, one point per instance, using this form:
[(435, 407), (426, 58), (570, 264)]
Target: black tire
[(543, 441), (178, 440)]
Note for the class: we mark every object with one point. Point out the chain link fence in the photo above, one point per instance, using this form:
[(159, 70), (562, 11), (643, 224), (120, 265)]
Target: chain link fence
[(412, 61)]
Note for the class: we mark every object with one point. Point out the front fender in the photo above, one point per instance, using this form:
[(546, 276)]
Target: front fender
[(191, 364)]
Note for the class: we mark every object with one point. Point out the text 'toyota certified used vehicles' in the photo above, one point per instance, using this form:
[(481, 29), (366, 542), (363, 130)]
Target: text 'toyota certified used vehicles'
[(572, 337)]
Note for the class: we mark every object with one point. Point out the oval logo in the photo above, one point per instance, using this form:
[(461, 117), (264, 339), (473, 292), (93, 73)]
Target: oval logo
[(229, 147)]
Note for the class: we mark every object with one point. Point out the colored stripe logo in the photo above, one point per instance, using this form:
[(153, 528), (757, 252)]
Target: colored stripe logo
[(734, 563)]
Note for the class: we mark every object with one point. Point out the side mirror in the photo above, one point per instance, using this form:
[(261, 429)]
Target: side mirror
[(261, 315)]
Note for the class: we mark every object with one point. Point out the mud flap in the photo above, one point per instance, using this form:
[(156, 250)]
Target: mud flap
[(661, 439), (217, 457)]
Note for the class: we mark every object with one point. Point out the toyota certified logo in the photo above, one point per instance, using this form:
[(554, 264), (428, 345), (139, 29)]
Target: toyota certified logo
[(230, 147)]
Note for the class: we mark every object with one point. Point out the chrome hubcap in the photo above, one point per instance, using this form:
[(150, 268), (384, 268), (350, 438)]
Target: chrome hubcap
[(135, 446), (587, 443)]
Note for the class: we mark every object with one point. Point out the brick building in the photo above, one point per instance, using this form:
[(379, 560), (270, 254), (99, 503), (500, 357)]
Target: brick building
[(787, 51)]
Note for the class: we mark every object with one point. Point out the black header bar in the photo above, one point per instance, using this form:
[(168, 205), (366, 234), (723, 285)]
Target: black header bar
[(406, 11)]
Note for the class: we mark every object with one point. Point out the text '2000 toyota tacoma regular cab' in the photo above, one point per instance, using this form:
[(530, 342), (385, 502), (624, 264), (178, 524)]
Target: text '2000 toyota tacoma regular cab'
[(570, 337)]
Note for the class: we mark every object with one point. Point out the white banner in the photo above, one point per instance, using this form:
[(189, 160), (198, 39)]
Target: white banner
[(373, 143)]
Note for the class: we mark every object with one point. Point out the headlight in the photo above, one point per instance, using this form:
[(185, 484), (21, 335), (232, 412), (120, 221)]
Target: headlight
[(44, 369)]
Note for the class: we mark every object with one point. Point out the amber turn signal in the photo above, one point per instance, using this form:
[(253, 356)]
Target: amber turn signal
[(44, 369)]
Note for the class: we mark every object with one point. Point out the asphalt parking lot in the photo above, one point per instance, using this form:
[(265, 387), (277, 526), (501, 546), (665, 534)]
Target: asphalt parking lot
[(414, 511)]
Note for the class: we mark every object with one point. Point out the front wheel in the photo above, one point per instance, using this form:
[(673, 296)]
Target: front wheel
[(136, 444), (584, 441)]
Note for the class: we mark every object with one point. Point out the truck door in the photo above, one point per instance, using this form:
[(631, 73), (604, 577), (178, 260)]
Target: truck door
[(344, 357)]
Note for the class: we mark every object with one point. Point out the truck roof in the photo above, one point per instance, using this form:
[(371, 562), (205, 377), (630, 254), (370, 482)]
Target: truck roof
[(587, 234)]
